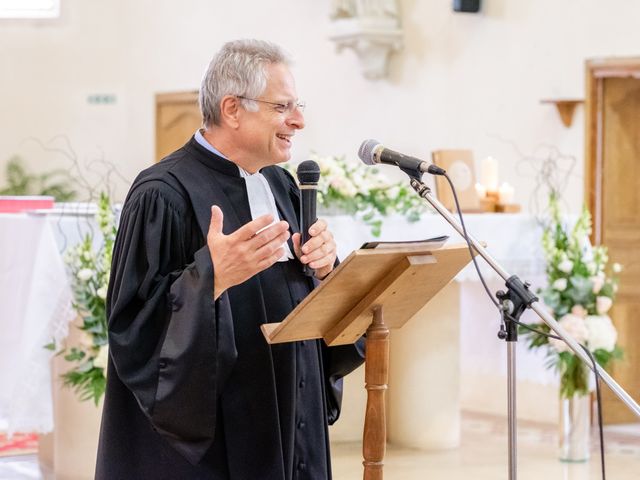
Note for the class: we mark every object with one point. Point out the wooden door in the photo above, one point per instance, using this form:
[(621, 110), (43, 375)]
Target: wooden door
[(177, 118), (612, 192)]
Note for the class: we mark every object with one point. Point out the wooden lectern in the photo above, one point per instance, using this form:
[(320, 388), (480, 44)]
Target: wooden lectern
[(396, 280)]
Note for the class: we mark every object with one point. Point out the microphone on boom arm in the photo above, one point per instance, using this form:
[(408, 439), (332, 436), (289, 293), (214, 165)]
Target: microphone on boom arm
[(373, 152)]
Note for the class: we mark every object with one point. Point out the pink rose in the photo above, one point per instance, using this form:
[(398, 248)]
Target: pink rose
[(603, 304), (574, 326), (579, 310), (602, 334), (597, 282)]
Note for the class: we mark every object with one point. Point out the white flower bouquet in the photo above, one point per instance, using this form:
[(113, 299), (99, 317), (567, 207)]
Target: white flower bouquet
[(580, 293), (350, 188), (89, 273)]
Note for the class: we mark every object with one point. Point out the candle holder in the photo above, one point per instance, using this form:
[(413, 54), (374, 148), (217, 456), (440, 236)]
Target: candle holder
[(507, 208), (496, 200), (489, 202)]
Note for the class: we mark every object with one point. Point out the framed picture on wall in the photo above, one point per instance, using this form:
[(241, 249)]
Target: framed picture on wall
[(461, 169)]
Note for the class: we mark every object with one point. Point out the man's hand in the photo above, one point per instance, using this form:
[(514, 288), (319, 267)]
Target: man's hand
[(245, 252), (319, 252)]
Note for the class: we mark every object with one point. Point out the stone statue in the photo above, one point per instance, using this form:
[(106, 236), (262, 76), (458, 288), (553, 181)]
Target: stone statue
[(364, 8), (343, 9), (371, 28), (378, 8)]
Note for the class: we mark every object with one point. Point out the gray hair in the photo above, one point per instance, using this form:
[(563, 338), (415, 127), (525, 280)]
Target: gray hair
[(237, 69)]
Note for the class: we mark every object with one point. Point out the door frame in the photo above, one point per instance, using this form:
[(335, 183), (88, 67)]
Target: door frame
[(597, 70)]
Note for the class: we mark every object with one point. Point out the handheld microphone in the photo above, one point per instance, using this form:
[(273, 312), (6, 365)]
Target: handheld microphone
[(372, 152), (308, 174)]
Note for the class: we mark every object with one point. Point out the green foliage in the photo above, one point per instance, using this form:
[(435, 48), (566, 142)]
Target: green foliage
[(87, 381), (574, 374), (55, 183), (354, 190), (89, 271), (580, 291)]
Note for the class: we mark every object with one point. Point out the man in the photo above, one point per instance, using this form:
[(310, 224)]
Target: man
[(208, 249)]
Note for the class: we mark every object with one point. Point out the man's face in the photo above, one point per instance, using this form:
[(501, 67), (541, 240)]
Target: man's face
[(266, 134)]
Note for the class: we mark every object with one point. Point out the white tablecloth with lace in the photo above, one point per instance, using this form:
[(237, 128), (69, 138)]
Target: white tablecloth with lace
[(36, 307)]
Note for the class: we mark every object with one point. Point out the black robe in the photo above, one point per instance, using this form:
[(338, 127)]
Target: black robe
[(193, 389)]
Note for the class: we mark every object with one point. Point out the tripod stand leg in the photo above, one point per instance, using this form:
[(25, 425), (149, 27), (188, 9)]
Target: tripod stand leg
[(513, 425), (376, 377)]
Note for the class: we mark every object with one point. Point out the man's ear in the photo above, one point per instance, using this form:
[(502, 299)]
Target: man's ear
[(230, 110)]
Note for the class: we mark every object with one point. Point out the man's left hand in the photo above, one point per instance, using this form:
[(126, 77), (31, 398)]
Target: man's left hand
[(319, 252)]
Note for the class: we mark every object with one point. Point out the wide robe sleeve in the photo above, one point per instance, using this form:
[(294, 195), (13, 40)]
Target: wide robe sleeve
[(171, 344)]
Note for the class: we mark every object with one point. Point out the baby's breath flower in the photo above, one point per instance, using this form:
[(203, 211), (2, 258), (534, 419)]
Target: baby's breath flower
[(565, 266), (85, 274), (560, 284), (102, 292)]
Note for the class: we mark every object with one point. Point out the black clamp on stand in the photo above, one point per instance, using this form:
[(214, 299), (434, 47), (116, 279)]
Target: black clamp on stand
[(513, 303)]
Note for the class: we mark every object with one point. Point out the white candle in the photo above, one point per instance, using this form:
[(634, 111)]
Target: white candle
[(505, 194), (481, 191), (490, 174)]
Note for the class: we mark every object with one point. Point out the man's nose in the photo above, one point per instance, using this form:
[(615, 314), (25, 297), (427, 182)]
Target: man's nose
[(296, 119)]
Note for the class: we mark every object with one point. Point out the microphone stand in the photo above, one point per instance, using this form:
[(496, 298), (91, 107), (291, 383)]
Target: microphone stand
[(514, 302)]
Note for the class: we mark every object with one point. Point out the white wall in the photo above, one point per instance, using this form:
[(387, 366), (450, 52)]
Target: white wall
[(463, 80)]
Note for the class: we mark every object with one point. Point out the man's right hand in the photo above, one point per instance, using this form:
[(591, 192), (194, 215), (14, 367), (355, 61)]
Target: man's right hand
[(249, 250)]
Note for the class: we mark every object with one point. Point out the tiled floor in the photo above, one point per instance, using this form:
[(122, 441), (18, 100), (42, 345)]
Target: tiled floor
[(22, 467), (482, 456)]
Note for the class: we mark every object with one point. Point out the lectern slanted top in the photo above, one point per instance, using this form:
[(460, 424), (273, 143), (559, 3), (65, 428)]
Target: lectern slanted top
[(401, 279)]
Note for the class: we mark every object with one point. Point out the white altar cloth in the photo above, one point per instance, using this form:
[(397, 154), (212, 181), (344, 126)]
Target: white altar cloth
[(512, 239), (37, 307)]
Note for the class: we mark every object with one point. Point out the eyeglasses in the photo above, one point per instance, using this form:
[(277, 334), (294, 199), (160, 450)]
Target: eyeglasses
[(288, 107)]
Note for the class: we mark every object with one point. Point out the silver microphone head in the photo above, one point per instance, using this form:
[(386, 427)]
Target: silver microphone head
[(367, 151)]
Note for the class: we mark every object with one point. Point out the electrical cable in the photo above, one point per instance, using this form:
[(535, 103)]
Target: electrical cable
[(469, 244)]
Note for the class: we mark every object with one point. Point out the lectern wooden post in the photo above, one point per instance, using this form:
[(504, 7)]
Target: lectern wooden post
[(376, 376), (371, 291)]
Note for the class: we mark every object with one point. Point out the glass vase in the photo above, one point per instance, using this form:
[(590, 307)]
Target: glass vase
[(575, 428)]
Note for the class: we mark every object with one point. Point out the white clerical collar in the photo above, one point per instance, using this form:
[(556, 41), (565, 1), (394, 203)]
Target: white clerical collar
[(261, 200)]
